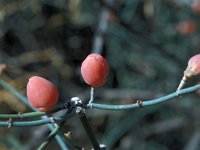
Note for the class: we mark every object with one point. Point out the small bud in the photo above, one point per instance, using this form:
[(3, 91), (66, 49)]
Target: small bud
[(192, 69)]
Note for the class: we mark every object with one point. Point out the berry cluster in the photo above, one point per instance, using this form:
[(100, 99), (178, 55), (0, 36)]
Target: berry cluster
[(43, 95)]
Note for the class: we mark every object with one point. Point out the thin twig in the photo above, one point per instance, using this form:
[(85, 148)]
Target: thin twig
[(92, 94), (83, 118), (27, 123), (55, 131), (22, 115), (49, 138), (145, 103)]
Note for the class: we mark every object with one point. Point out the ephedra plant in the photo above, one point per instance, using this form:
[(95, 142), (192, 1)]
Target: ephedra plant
[(42, 96)]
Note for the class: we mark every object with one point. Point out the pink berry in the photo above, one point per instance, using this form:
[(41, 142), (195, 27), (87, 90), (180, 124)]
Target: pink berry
[(196, 7), (94, 70), (41, 93), (186, 27), (193, 67)]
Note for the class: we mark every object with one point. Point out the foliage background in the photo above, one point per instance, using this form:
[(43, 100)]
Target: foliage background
[(147, 50)]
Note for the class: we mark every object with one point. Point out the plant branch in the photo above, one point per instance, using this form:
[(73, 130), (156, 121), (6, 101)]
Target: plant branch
[(22, 115), (49, 138), (83, 118), (11, 123), (145, 103), (55, 131)]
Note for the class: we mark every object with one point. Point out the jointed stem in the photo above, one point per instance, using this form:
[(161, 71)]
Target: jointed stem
[(54, 132), (22, 115), (83, 118), (49, 138), (144, 103)]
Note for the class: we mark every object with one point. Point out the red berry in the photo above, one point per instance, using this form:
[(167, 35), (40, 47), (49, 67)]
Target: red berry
[(196, 7), (186, 27), (94, 70), (41, 93), (193, 67)]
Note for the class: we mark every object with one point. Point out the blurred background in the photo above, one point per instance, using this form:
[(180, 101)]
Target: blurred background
[(147, 44)]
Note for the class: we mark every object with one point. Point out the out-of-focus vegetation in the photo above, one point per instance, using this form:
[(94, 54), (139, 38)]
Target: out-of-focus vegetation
[(147, 44)]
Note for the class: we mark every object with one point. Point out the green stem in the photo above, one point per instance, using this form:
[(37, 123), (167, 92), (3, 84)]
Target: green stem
[(49, 138), (92, 94), (56, 130), (22, 115), (83, 118), (145, 103), (27, 123)]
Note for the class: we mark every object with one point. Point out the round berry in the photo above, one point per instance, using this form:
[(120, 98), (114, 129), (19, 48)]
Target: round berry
[(94, 70), (41, 93), (196, 7), (186, 27), (193, 67)]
